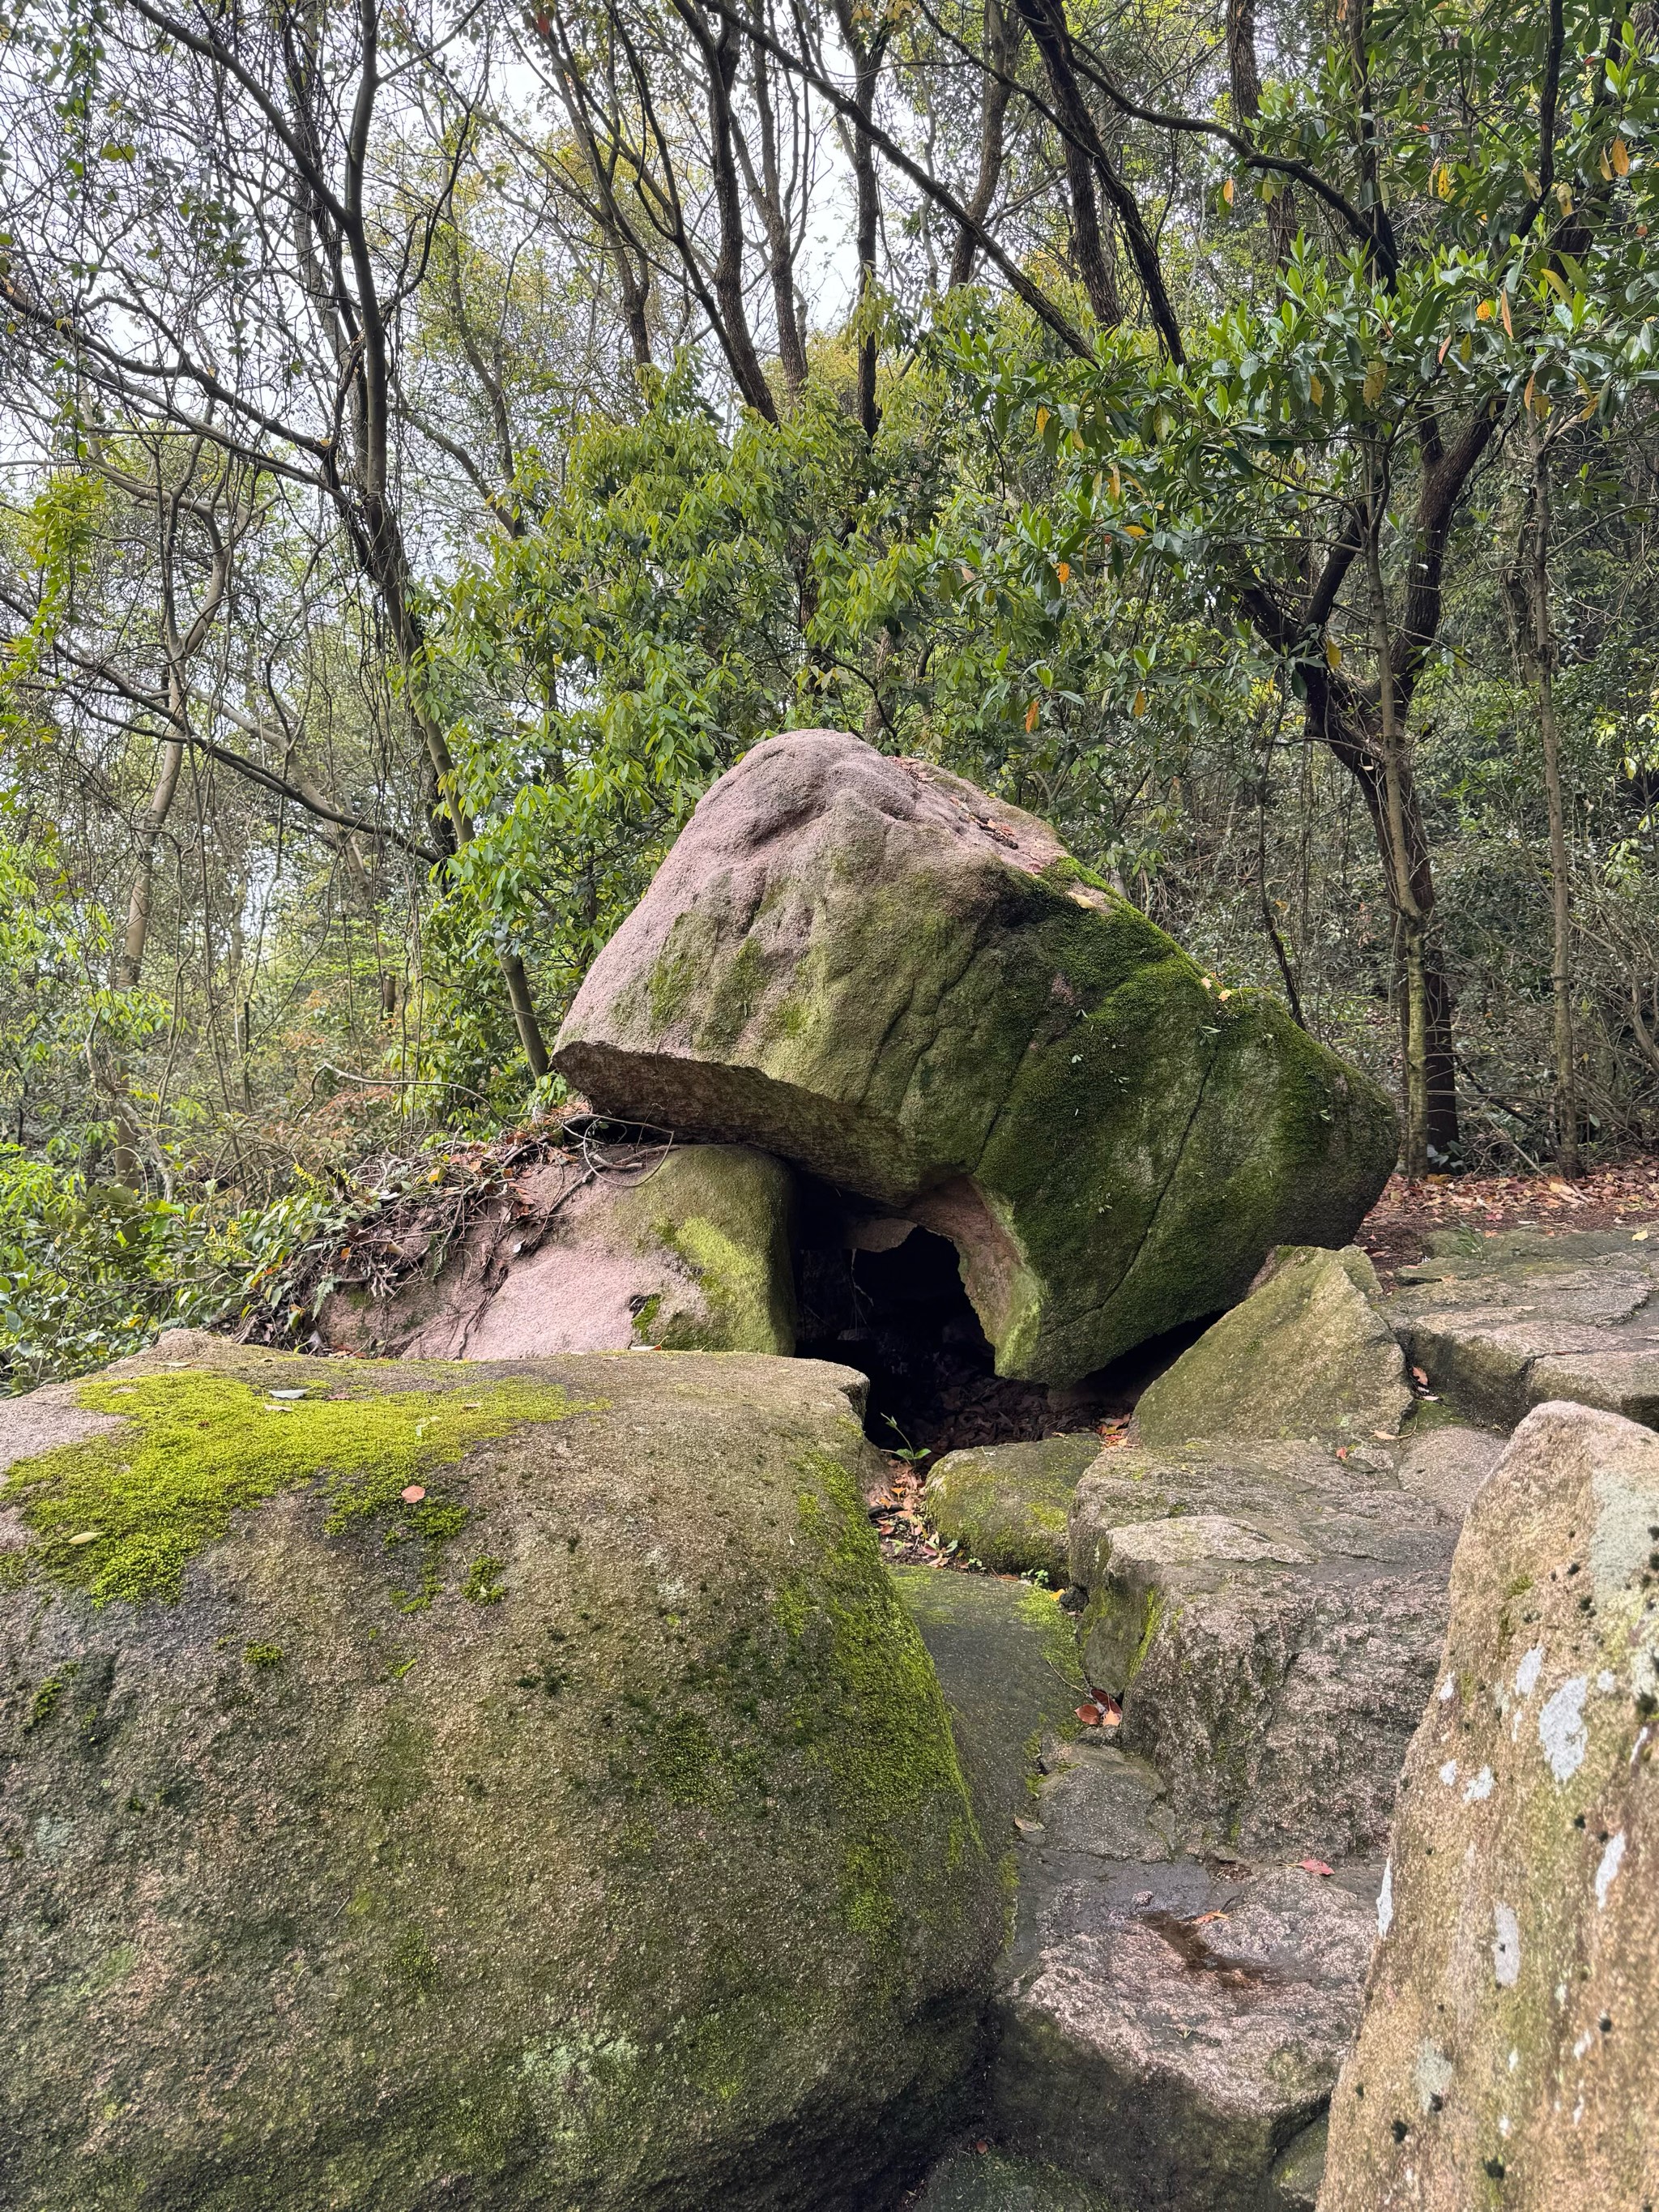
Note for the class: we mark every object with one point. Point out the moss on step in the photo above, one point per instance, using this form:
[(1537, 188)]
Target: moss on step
[(120, 1514)]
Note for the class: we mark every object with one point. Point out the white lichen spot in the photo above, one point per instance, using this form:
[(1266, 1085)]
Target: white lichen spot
[(1584, 2042), (1579, 2110), (1479, 1786), (1385, 1900), (1561, 1728), (1432, 2074), (1526, 1674), (1607, 1681), (1612, 1859), (1448, 1689), (1504, 2125), (1448, 1772), (1515, 2060), (1561, 1994), (1636, 1748), (1505, 1946)]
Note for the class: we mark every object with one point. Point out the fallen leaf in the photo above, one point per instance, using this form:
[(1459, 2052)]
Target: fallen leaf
[(87, 1536), (1640, 1237), (1091, 1715), (1205, 1918), (1313, 1866), (413, 1495), (1419, 1377), (1386, 1436)]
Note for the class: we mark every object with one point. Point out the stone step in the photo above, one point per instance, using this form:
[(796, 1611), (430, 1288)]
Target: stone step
[(1171, 2024), (1270, 1615), (1502, 1323)]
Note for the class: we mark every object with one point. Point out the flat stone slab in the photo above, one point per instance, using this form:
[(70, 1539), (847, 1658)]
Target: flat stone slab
[(1271, 1616), (1504, 1322), (1170, 2030)]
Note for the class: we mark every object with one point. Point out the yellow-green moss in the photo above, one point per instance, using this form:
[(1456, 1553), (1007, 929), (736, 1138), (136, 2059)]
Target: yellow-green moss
[(119, 1515)]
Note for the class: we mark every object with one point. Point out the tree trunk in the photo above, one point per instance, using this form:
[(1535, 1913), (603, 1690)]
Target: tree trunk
[(1537, 646), (1407, 907), (1002, 40)]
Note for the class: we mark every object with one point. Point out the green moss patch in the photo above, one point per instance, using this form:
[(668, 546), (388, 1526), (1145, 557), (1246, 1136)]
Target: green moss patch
[(119, 1515)]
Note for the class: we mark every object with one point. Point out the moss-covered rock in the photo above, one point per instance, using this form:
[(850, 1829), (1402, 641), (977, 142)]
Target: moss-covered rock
[(690, 1249), (1506, 2054), (1006, 1504), (506, 1785), (1307, 1354), (868, 966)]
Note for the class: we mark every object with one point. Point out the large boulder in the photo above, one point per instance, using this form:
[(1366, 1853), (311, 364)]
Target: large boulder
[(872, 968), (688, 1248), (1506, 2055), (1307, 1354), (499, 1786)]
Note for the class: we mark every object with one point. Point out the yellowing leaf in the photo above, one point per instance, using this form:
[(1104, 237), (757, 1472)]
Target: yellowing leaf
[(1504, 310), (1465, 347), (1140, 706), (1042, 420), (1227, 191), (1315, 392), (1376, 377), (1031, 717), (1607, 166), (1333, 653), (1621, 158), (1063, 571), (1442, 181), (1117, 483), (1563, 196), (1483, 313), (1133, 530)]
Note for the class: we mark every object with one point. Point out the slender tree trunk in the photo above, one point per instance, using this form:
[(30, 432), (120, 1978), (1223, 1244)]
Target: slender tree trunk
[(1537, 645), (1411, 916), (780, 245), (129, 960), (1002, 40)]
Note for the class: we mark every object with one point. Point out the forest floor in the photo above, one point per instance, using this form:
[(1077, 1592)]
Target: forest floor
[(1396, 1231)]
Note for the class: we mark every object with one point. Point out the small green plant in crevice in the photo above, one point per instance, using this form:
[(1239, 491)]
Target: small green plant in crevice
[(262, 1657), (118, 1515)]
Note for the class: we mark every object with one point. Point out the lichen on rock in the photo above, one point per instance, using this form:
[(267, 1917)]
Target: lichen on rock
[(1506, 2053)]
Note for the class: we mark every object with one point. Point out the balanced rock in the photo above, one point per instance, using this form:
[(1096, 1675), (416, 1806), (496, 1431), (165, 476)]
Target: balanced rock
[(1307, 1354), (1506, 2055), (1271, 1617), (1006, 1506), (501, 1785), (688, 1249), (872, 968)]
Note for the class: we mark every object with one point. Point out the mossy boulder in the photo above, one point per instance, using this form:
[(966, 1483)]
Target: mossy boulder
[(506, 1785), (871, 968), (1506, 2053), (690, 1249), (1006, 1504), (1307, 1354)]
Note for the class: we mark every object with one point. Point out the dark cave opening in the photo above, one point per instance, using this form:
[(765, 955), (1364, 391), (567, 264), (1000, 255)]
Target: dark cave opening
[(886, 1297)]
